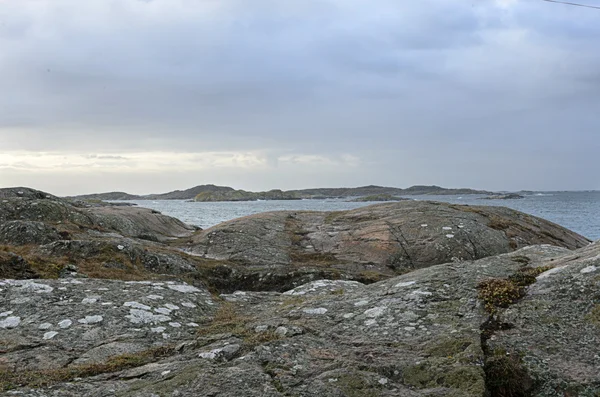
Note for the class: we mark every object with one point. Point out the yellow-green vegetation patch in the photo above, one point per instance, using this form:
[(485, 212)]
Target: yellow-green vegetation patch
[(594, 315), (527, 275), (499, 293), (13, 378), (332, 216), (449, 347), (354, 384), (466, 379)]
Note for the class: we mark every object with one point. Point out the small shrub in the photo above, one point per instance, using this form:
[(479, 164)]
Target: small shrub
[(495, 293), (527, 275)]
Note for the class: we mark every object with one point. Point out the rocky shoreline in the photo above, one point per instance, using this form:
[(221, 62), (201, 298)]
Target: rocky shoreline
[(396, 299)]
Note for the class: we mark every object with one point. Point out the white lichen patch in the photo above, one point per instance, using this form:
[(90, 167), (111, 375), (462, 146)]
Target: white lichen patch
[(589, 269), (155, 297), (45, 326), (137, 316), (137, 305), (10, 322), (31, 286), (446, 228), (6, 314), (172, 306), (89, 300), (188, 304), (193, 325), (158, 330), (405, 284), (424, 225), (65, 324), (163, 310), (91, 320), (450, 235), (361, 303), (319, 310), (375, 312), (175, 325), (184, 288), (50, 335)]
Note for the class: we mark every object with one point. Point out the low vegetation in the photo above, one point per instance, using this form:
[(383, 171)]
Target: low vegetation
[(15, 377), (500, 293)]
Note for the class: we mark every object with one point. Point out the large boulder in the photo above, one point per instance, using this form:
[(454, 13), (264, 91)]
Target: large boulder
[(426, 333), (386, 238)]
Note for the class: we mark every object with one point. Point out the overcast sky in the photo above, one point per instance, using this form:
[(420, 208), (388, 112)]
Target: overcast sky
[(156, 95)]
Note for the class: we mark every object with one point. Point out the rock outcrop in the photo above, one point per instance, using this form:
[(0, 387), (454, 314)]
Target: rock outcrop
[(97, 300), (426, 333), (376, 241)]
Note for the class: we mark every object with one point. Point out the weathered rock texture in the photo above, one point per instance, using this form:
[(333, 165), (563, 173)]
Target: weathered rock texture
[(384, 239), (425, 333), (93, 303)]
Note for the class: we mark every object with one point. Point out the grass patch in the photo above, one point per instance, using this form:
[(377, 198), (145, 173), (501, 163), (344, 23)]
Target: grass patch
[(13, 378), (499, 223), (228, 320)]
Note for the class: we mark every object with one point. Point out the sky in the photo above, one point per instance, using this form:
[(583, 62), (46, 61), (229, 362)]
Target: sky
[(149, 96)]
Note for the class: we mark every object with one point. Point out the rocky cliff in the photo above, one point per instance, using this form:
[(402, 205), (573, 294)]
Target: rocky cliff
[(101, 301)]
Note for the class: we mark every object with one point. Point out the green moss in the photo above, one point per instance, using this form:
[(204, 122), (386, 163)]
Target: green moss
[(449, 347), (10, 379), (419, 376), (594, 315), (354, 384), (332, 216), (470, 380), (521, 259)]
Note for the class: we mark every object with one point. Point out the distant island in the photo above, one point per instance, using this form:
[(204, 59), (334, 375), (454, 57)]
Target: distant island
[(507, 196), (212, 193), (377, 197)]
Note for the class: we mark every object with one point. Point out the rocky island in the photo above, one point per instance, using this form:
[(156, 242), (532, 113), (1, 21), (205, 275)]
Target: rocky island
[(396, 299), (212, 193), (377, 197), (506, 196)]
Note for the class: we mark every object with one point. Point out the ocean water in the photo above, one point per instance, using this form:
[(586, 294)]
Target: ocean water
[(578, 211)]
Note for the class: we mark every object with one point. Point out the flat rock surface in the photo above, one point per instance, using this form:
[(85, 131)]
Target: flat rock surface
[(50, 323)]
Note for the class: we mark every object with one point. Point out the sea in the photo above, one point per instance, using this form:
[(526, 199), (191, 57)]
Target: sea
[(578, 211)]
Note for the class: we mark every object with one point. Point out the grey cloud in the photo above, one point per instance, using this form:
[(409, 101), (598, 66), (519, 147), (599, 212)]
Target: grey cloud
[(330, 77)]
